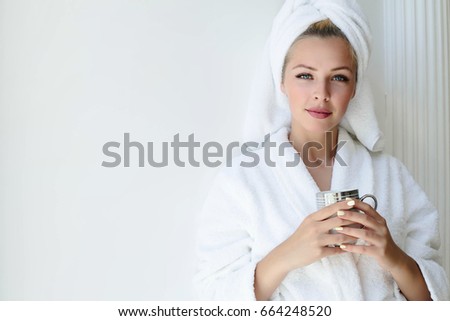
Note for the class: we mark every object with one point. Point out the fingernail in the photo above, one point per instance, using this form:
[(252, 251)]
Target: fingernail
[(340, 213), (338, 228), (351, 203), (342, 246)]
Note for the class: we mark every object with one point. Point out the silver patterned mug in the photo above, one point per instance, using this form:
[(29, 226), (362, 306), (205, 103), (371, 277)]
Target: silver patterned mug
[(330, 197)]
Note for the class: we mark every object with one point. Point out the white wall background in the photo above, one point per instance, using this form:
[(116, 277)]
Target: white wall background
[(77, 74)]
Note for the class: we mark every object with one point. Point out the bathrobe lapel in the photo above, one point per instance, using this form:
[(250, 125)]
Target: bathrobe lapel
[(353, 169)]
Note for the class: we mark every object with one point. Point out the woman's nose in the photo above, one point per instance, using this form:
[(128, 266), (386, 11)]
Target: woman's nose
[(321, 93)]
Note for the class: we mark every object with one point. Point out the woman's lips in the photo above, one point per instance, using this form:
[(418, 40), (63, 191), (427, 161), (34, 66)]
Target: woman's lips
[(319, 113)]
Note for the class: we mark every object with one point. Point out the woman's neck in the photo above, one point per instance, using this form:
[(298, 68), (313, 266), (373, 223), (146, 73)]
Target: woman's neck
[(316, 149)]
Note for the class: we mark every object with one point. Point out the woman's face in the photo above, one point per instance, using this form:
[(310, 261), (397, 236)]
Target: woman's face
[(319, 81)]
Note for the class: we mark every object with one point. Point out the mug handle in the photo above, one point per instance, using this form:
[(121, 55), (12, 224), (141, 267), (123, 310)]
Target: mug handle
[(372, 197)]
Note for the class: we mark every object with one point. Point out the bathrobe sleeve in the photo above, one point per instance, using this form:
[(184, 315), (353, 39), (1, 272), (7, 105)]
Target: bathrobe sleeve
[(422, 237), (225, 270)]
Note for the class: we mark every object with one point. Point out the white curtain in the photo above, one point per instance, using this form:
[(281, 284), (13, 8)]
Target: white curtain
[(416, 117)]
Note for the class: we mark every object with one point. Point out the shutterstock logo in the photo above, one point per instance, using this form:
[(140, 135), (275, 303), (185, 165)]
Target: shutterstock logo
[(213, 154)]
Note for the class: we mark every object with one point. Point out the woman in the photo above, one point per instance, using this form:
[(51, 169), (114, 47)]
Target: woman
[(261, 236)]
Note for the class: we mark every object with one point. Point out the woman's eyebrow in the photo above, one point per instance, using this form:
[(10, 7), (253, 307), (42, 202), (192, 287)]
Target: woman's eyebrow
[(304, 66), (314, 69), (343, 67)]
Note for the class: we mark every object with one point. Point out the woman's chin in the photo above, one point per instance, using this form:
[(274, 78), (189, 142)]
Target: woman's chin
[(317, 129)]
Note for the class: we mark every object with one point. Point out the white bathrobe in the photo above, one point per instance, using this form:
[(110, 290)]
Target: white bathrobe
[(249, 211)]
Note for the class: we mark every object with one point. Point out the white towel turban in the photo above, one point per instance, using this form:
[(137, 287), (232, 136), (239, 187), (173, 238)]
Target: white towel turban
[(268, 106)]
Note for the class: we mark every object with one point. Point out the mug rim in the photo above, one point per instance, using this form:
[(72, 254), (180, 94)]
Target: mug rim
[(350, 191)]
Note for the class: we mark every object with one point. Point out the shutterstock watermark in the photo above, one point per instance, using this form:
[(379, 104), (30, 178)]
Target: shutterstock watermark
[(212, 154)]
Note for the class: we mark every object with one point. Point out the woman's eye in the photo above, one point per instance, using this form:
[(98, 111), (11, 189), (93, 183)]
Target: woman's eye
[(340, 78), (304, 76)]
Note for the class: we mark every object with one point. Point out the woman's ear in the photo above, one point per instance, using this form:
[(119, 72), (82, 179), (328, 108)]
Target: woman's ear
[(354, 90), (282, 88)]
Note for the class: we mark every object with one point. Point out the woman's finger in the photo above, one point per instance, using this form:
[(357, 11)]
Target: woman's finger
[(361, 249), (337, 239), (369, 210), (332, 209), (358, 217), (367, 235), (327, 251)]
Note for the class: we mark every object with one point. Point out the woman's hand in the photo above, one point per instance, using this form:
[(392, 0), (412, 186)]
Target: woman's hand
[(383, 249), (306, 245), (380, 244), (310, 242)]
